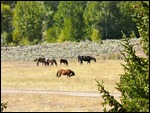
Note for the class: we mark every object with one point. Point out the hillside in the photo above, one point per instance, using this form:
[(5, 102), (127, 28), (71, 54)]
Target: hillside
[(108, 49)]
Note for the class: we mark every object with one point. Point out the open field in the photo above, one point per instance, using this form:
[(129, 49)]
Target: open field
[(26, 75), (51, 103)]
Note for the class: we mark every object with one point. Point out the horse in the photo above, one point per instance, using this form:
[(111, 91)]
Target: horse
[(51, 62), (63, 61), (86, 59), (67, 72), (40, 60)]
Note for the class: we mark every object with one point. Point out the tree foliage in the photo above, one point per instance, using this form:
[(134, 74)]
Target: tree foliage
[(27, 20), (6, 19), (33, 21), (69, 18), (96, 36), (134, 83)]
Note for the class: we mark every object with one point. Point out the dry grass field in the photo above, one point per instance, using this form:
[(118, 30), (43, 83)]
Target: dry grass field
[(26, 75)]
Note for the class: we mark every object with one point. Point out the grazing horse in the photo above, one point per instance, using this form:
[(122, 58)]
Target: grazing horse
[(67, 72), (40, 60), (51, 62), (86, 59), (63, 61)]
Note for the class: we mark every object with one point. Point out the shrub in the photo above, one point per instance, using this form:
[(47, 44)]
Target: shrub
[(3, 106)]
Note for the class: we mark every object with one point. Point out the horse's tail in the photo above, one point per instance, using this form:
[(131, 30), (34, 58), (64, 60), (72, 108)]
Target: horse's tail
[(72, 73), (80, 59), (37, 63), (35, 60)]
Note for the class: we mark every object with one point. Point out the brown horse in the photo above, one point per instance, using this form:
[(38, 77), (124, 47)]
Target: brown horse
[(67, 72), (51, 62), (40, 60), (64, 61)]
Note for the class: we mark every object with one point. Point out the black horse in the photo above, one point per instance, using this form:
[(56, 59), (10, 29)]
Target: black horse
[(64, 61), (40, 60), (86, 59)]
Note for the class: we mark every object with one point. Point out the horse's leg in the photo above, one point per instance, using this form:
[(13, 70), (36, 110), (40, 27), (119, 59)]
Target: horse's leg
[(47, 63), (88, 62), (37, 63), (50, 64), (43, 63), (66, 64), (81, 62)]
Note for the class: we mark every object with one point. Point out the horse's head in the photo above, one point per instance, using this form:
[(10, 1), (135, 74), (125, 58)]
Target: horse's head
[(94, 59), (35, 60)]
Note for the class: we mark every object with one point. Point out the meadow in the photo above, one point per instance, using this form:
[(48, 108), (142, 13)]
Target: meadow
[(28, 76)]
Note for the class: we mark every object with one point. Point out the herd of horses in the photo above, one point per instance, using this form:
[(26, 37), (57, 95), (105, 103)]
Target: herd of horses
[(68, 72)]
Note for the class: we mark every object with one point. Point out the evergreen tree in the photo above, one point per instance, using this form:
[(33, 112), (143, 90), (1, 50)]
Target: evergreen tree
[(134, 83)]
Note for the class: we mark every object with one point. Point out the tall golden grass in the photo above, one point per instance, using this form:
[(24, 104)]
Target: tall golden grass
[(26, 75)]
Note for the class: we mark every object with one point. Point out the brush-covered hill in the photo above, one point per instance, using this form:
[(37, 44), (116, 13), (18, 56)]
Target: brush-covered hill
[(108, 49)]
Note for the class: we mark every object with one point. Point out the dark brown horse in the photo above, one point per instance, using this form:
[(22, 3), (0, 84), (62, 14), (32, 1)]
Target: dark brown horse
[(64, 61), (40, 60), (51, 62), (67, 72), (86, 59)]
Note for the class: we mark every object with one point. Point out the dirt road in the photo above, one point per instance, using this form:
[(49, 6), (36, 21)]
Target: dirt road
[(84, 94)]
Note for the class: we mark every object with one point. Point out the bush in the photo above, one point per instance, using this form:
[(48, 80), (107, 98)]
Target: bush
[(3, 106)]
